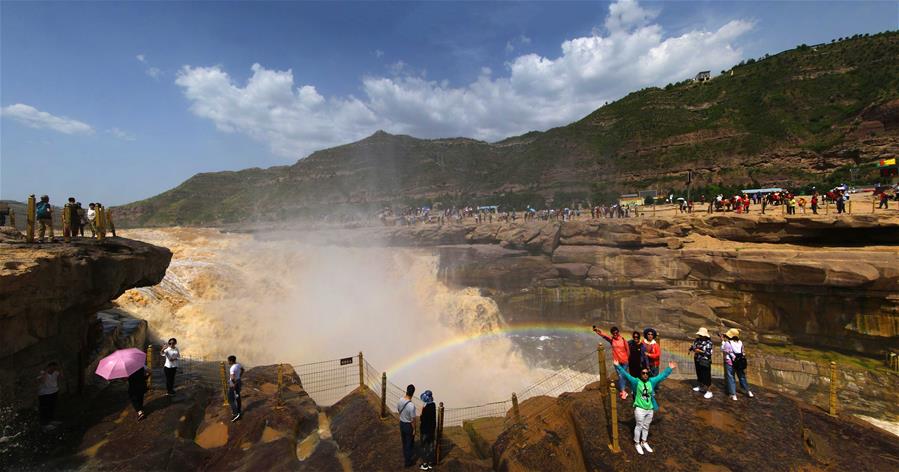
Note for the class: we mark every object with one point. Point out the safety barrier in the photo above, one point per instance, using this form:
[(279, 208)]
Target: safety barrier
[(823, 384)]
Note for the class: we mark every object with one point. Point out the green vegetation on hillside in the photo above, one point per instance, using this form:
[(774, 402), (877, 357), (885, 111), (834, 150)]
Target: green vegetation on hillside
[(807, 116)]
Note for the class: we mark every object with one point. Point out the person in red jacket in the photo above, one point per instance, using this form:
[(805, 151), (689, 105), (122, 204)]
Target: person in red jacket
[(619, 354), (652, 351)]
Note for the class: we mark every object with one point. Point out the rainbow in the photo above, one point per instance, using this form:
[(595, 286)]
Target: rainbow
[(526, 329)]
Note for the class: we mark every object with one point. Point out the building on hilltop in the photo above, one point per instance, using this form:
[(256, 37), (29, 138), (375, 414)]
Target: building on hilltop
[(703, 76)]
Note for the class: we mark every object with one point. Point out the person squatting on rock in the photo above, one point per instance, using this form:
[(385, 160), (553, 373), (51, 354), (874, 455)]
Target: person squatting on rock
[(137, 387), (44, 213), (645, 404), (620, 354), (172, 355), (406, 410), (428, 430), (235, 372), (734, 362), (702, 359), (47, 394)]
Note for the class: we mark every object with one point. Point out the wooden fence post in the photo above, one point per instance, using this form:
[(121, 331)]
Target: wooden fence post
[(101, 224), (224, 385), (850, 207), (833, 388), (439, 438), (384, 395), (613, 398), (601, 360), (29, 220), (280, 381), (150, 365), (516, 413), (67, 223), (361, 370)]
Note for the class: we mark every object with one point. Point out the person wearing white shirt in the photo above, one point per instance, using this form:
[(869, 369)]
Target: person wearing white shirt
[(172, 356), (235, 373), (47, 393)]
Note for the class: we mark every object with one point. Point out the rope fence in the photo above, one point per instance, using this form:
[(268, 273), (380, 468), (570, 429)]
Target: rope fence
[(327, 382)]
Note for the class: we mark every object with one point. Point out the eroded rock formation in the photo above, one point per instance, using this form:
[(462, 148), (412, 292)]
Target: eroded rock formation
[(49, 297)]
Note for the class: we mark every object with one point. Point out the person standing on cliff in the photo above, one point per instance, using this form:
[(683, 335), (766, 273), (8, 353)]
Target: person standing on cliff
[(47, 393), (636, 361), (645, 405), (619, 354), (815, 203), (137, 388), (652, 351), (428, 430), (235, 372), (406, 410), (44, 213), (172, 356), (734, 362), (702, 358)]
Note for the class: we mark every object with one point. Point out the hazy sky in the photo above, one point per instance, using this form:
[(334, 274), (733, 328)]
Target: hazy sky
[(116, 102)]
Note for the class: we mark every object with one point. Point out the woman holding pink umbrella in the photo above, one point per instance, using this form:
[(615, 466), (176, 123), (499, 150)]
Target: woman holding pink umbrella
[(127, 363)]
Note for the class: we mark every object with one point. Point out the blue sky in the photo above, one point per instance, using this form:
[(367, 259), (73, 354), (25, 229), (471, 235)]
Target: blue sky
[(116, 102)]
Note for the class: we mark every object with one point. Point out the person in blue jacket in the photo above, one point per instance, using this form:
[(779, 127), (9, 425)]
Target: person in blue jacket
[(644, 401)]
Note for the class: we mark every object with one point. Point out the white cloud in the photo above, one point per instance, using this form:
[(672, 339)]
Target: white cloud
[(35, 118), (154, 72), (379, 53), (536, 93), (121, 134), (141, 58)]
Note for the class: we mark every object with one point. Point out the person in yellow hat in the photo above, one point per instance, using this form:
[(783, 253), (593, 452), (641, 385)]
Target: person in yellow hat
[(702, 359), (734, 362)]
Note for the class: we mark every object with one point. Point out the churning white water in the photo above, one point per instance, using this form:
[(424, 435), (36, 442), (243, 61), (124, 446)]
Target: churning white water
[(286, 301)]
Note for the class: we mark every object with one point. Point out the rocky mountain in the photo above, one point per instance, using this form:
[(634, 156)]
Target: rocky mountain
[(803, 116)]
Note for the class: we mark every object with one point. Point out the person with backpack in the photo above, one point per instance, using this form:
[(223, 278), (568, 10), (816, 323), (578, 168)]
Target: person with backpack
[(620, 354), (428, 430), (44, 213), (734, 362), (702, 359), (645, 404), (406, 410)]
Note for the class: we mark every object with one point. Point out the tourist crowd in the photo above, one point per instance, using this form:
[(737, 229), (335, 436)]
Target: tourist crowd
[(637, 362)]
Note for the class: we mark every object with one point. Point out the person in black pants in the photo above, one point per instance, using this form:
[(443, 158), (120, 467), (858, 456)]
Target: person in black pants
[(172, 355), (137, 387), (428, 430), (406, 409), (702, 359)]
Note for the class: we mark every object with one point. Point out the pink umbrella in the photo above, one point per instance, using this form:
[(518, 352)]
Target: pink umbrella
[(121, 364)]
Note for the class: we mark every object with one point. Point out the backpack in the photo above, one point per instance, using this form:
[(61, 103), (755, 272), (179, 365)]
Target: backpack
[(740, 361), (43, 210)]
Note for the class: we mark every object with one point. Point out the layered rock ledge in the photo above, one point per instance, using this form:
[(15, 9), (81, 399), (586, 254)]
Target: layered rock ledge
[(49, 298)]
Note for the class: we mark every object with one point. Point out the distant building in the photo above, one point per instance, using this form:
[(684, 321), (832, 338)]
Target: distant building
[(703, 76), (630, 199)]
